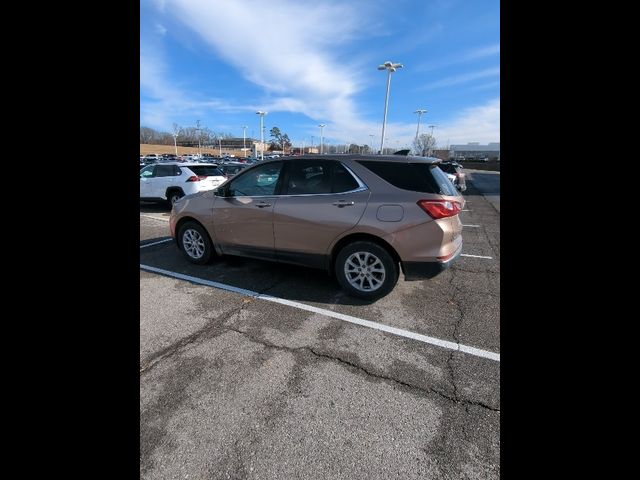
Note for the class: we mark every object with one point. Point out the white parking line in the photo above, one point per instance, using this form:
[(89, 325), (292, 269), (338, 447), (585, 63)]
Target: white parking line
[(156, 243), (475, 256), (347, 318), (473, 226), (466, 210), (155, 218)]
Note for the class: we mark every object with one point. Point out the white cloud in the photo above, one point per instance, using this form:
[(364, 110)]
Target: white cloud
[(285, 47), (474, 124), (161, 29), (166, 103), (454, 59), (467, 77)]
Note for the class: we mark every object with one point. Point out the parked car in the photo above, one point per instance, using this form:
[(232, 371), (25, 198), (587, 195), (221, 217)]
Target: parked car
[(231, 169), (172, 180), (454, 172), (362, 218)]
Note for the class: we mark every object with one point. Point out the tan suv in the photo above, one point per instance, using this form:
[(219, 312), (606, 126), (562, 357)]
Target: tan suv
[(359, 217)]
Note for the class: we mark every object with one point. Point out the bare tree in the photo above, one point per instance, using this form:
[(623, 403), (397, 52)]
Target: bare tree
[(424, 144), (147, 135)]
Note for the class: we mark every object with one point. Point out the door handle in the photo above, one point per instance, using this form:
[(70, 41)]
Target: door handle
[(342, 203), (262, 205)]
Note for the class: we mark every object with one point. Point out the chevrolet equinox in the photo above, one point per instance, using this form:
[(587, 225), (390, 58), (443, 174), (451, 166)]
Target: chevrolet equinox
[(362, 218)]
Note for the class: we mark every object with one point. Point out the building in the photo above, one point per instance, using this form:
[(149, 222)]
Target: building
[(441, 154), (475, 151)]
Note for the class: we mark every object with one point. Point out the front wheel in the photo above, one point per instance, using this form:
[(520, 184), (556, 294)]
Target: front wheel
[(195, 243), (366, 270)]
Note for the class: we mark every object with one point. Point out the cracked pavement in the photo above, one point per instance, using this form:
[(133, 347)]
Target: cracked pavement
[(236, 387)]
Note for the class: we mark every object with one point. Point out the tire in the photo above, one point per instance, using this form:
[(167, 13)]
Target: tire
[(369, 285), (173, 196), (195, 244)]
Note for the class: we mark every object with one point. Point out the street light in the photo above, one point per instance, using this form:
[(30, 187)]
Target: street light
[(244, 140), (262, 114), (322, 125), (199, 136), (371, 135), (390, 68), (431, 127), (419, 112)]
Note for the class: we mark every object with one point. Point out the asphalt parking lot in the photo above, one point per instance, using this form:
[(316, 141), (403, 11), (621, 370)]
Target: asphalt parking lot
[(250, 369)]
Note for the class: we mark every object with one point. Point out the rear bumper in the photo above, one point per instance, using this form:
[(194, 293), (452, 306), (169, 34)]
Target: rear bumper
[(424, 270)]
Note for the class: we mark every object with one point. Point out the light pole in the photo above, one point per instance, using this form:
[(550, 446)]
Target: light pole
[(262, 114), (220, 147), (419, 112), (431, 127), (390, 68), (371, 146), (322, 125), (199, 136), (244, 140)]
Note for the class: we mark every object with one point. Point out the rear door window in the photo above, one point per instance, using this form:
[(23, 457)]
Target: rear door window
[(165, 171), (206, 171), (318, 177)]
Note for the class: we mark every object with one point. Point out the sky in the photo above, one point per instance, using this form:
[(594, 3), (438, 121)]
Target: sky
[(315, 62)]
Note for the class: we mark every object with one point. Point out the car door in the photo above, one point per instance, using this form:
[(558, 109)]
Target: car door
[(321, 199), (243, 217), (146, 175), (165, 176)]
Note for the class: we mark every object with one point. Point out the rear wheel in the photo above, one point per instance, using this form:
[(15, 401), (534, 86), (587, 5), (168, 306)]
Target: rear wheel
[(366, 270), (195, 243), (173, 196)]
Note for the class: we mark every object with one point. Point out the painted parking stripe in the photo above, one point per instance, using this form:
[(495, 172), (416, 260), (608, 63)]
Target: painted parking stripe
[(156, 243), (475, 256), (328, 313), (155, 218), (472, 226)]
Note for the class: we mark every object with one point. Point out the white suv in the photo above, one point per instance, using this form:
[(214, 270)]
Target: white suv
[(171, 181)]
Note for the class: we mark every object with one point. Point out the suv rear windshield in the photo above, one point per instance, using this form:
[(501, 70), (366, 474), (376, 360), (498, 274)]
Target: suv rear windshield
[(417, 177), (206, 171)]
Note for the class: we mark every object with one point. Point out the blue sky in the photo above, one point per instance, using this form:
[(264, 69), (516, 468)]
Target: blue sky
[(311, 62)]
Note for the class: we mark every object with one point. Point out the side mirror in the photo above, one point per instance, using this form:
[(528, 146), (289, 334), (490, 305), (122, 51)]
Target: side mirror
[(221, 192)]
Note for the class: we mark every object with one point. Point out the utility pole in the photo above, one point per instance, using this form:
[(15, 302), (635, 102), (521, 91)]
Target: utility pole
[(199, 136), (244, 140)]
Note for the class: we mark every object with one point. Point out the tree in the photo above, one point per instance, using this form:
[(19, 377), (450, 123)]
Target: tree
[(353, 148), (279, 140), (424, 144), (147, 135)]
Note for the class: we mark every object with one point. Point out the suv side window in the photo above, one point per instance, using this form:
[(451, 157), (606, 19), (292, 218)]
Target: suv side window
[(147, 172), (308, 177), (259, 181), (343, 181), (417, 177), (165, 171)]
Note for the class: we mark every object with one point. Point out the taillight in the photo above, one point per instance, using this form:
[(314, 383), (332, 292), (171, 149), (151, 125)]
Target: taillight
[(194, 178), (440, 208)]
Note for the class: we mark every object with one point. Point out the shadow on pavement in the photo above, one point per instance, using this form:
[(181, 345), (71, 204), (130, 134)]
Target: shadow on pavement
[(278, 279)]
